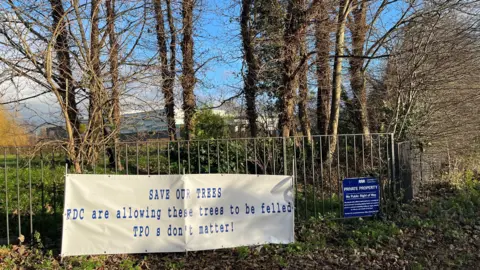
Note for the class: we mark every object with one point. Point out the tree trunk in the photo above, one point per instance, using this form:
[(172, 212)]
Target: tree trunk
[(170, 81), (114, 113), (97, 97), (303, 89), (290, 60), (65, 80), (168, 75), (250, 80), (324, 92), (113, 61), (296, 22), (188, 76), (337, 74), (357, 72)]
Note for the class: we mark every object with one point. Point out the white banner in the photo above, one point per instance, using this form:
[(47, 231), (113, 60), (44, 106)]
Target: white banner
[(116, 214)]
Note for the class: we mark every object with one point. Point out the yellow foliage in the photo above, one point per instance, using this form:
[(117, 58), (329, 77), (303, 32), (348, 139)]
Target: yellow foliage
[(11, 133)]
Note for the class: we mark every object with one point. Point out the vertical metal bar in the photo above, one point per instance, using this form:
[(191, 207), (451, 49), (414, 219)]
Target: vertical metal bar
[(273, 156), (265, 161), (304, 178), (94, 162), (218, 158), (246, 156), (43, 189), (295, 173), (321, 174), (389, 175), (138, 172), (104, 159), (236, 154), (188, 154), (255, 154), (208, 154), (330, 179), (81, 165), (126, 157), (346, 155), (158, 158), (285, 156), (43, 183), (392, 157), (355, 154), (30, 199), (18, 197), (116, 157), (379, 152), (382, 184), (371, 152), (178, 156), (168, 155), (313, 176), (339, 180), (148, 159), (198, 156), (363, 152), (6, 193), (388, 160), (228, 158)]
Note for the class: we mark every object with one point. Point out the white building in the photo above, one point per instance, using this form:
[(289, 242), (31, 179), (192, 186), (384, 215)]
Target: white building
[(149, 124), (153, 124)]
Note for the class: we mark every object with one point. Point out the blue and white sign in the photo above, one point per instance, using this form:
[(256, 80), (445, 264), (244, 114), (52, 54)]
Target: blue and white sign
[(361, 197)]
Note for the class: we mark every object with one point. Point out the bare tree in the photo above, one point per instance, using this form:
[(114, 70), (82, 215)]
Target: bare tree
[(250, 80), (303, 86), (323, 71), (344, 10), (170, 80), (114, 110), (98, 97), (188, 72), (367, 39), (61, 58), (114, 113), (428, 85), (357, 73), (289, 79), (65, 90), (296, 22), (167, 65)]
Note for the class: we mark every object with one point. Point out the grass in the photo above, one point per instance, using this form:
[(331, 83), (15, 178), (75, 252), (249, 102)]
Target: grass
[(42, 178)]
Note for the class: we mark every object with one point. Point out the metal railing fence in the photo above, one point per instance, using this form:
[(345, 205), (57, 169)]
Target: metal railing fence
[(31, 199)]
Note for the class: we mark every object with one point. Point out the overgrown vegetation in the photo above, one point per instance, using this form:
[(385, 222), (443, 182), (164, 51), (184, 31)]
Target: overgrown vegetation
[(440, 232)]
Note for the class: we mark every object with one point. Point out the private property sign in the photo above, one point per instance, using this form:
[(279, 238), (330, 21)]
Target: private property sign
[(361, 197), (115, 214)]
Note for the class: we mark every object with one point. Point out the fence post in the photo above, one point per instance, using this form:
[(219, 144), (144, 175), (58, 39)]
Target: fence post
[(18, 196), (285, 155), (409, 182), (393, 176), (6, 194)]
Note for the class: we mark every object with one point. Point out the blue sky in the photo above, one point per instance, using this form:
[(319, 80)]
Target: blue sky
[(221, 28), (218, 33), (217, 40)]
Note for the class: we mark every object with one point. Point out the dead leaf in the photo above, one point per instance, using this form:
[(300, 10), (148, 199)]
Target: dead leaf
[(21, 250), (21, 238)]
